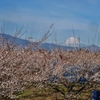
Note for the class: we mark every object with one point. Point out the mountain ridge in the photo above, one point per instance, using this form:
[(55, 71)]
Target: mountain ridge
[(48, 46)]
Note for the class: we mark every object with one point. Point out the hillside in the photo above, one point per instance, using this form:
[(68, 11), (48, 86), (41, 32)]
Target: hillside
[(47, 46)]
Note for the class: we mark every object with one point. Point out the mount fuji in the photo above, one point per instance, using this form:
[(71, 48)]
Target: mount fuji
[(48, 46)]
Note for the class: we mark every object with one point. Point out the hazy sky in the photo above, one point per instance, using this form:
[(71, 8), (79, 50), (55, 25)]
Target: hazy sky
[(82, 16)]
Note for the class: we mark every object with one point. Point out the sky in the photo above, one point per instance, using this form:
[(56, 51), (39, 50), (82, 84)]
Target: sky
[(71, 18)]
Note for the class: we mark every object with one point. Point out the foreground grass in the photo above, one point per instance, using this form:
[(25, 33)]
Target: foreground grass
[(54, 92)]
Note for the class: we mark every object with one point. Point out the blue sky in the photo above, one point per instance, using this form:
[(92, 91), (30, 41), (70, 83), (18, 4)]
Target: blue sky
[(36, 16)]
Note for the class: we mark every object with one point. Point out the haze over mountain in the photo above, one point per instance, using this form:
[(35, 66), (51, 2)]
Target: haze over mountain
[(48, 46)]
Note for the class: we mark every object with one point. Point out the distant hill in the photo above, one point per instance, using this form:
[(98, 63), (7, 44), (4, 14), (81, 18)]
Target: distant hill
[(48, 46), (51, 46), (92, 47), (14, 40)]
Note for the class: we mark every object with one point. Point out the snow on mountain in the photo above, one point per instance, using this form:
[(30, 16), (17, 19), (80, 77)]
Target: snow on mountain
[(48, 46)]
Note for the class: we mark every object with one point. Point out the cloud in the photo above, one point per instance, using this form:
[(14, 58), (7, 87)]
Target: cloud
[(42, 21), (40, 24)]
